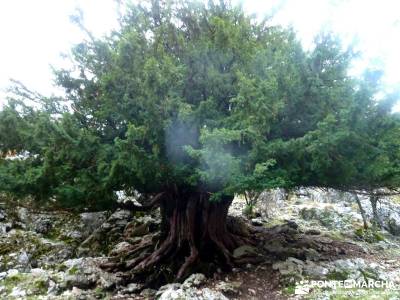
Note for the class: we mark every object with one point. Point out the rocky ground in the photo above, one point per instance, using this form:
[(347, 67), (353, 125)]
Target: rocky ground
[(311, 235)]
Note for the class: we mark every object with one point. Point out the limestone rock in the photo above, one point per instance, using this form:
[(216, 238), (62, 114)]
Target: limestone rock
[(5, 227), (90, 221), (356, 269), (3, 275), (315, 271), (79, 281), (42, 225), (244, 251), (120, 215), (132, 288), (194, 280), (72, 235), (23, 215), (257, 222), (109, 232), (18, 293), (394, 226), (170, 286), (107, 281), (12, 272), (148, 293), (290, 266), (140, 226), (23, 260), (3, 215), (228, 288), (120, 248), (173, 292), (328, 216)]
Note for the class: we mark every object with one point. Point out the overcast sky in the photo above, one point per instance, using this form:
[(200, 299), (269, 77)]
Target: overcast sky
[(33, 34)]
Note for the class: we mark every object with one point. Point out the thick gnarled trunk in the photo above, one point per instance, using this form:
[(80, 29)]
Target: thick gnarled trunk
[(194, 228), (195, 236)]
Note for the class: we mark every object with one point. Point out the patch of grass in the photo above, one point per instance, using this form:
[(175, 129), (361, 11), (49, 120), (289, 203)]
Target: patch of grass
[(139, 214), (369, 274), (289, 280), (73, 271), (32, 285), (24, 240), (40, 286), (248, 211), (396, 199), (53, 234), (60, 267), (69, 241), (99, 293), (359, 232), (12, 281), (393, 253), (15, 279), (338, 275), (335, 235), (6, 248), (379, 237), (289, 290), (369, 235), (274, 222)]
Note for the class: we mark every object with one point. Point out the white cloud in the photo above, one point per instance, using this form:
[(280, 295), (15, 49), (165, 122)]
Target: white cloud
[(35, 33)]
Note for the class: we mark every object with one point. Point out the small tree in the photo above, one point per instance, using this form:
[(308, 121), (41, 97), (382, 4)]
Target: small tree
[(362, 211)]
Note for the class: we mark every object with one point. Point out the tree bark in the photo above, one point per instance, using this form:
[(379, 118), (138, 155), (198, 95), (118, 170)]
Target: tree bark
[(362, 211), (377, 222), (194, 230)]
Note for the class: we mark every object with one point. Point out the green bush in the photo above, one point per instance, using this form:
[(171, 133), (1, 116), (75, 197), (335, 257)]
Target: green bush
[(369, 235)]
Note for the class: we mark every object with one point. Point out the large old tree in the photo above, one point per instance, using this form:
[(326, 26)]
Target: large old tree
[(189, 104)]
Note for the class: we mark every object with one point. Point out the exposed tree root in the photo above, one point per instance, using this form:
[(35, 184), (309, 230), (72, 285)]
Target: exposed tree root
[(195, 232)]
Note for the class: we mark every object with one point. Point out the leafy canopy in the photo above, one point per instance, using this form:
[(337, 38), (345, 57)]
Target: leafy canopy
[(202, 97)]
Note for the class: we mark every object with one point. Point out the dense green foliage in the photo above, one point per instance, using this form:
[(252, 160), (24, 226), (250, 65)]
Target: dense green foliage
[(200, 96)]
